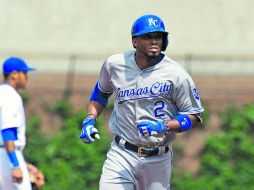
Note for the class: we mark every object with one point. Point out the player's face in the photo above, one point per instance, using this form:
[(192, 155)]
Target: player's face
[(22, 80), (149, 44)]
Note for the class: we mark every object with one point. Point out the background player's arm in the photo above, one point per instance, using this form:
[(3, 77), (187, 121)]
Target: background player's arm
[(9, 136)]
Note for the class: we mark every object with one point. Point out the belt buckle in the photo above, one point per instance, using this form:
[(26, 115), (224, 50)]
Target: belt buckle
[(140, 151)]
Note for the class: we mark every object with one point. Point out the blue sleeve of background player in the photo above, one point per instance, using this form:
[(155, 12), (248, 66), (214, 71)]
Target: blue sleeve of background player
[(99, 96), (9, 134)]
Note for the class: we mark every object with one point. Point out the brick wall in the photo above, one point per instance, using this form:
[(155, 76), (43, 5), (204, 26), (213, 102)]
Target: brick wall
[(216, 91)]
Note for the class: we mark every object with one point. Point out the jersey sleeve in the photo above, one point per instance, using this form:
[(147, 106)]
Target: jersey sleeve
[(187, 98), (104, 82), (10, 115)]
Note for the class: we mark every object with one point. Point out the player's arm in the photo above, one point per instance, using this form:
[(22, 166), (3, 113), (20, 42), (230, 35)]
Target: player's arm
[(9, 135), (180, 123), (187, 100), (98, 102), (94, 109)]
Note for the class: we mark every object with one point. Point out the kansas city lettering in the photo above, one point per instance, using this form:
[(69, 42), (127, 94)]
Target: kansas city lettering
[(156, 89)]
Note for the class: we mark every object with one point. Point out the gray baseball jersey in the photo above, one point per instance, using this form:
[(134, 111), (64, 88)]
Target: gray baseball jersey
[(162, 91)]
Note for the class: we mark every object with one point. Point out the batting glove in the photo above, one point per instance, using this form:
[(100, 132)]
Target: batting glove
[(150, 128), (89, 132)]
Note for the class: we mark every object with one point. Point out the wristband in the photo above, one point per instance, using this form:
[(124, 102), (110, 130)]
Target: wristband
[(184, 121), (13, 158), (92, 115)]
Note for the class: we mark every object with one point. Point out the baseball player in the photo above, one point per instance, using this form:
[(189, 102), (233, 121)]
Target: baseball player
[(155, 98), (13, 168)]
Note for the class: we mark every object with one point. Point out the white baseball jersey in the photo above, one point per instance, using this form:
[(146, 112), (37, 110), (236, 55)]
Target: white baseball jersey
[(12, 115), (162, 91)]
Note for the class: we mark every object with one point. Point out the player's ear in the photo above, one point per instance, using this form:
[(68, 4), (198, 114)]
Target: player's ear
[(134, 42), (13, 75)]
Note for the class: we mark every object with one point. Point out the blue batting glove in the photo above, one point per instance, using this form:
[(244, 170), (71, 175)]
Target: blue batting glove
[(88, 131), (150, 128)]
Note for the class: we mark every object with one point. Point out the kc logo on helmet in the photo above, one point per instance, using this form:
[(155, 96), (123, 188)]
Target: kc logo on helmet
[(153, 22)]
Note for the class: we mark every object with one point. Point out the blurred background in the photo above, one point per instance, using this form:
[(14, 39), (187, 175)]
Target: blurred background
[(67, 42)]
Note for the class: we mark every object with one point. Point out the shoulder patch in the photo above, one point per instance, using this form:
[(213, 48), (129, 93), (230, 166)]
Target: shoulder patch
[(195, 94)]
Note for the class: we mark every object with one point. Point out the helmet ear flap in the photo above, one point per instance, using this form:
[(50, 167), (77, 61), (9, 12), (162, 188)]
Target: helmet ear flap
[(165, 42), (133, 42)]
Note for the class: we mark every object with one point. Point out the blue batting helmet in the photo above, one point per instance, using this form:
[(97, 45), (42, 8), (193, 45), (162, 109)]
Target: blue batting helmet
[(147, 24)]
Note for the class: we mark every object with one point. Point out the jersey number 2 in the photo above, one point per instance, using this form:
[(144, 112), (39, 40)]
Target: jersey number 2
[(159, 105)]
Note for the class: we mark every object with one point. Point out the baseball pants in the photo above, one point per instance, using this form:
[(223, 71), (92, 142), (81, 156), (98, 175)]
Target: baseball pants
[(5, 172), (125, 170)]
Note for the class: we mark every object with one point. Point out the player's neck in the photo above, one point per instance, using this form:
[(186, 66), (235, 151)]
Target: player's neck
[(11, 83), (143, 62)]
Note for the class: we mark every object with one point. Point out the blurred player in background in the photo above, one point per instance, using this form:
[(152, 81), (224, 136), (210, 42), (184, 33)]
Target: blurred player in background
[(14, 171), (155, 98)]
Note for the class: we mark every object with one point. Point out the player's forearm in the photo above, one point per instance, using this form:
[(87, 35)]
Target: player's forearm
[(10, 149), (174, 125), (95, 109), (9, 146)]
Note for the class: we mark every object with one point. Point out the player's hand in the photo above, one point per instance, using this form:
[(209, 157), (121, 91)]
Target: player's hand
[(36, 176), (89, 132), (17, 175), (150, 128)]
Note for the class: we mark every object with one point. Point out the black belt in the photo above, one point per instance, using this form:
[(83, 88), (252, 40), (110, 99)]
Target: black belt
[(142, 151)]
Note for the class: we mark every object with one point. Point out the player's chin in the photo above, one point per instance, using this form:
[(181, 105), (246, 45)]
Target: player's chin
[(154, 51), (22, 87), (153, 54)]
